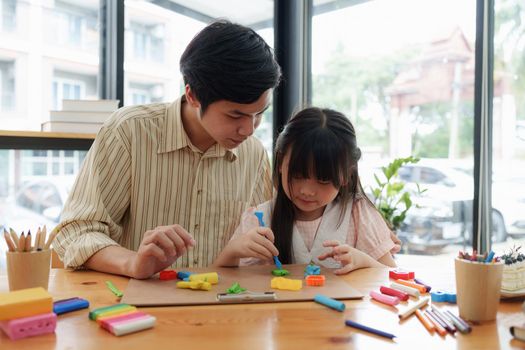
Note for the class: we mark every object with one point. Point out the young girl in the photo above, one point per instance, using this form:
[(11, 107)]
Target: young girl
[(319, 203)]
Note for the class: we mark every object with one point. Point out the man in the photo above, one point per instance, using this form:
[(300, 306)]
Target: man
[(157, 171)]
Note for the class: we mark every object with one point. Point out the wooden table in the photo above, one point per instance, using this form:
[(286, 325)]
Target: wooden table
[(300, 325)]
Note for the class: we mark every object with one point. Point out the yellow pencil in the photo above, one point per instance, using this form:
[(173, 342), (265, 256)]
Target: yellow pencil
[(9, 241), (38, 239), (14, 237), (51, 237), (22, 242)]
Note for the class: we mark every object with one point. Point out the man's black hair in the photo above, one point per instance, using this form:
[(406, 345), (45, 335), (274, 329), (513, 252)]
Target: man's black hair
[(227, 61)]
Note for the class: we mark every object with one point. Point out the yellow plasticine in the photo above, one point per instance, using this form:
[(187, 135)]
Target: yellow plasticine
[(210, 277), (197, 285), (25, 302), (286, 283)]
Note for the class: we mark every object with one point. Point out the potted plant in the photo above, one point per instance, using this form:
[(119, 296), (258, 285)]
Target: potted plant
[(390, 196)]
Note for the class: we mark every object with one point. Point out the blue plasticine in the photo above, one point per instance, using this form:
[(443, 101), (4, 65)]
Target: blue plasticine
[(443, 297), (312, 270), (331, 303)]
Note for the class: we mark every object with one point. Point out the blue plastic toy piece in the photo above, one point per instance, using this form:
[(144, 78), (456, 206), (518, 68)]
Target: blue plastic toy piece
[(312, 270), (443, 297), (183, 275)]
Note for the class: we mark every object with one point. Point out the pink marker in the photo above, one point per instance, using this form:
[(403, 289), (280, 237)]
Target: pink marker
[(385, 299)]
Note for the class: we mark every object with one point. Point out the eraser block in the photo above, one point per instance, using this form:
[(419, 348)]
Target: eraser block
[(29, 326), (210, 277), (68, 305), (168, 275), (25, 302), (443, 297), (111, 311), (400, 274)]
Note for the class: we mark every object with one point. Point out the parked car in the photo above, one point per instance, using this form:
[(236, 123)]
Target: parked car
[(36, 203), (444, 211)]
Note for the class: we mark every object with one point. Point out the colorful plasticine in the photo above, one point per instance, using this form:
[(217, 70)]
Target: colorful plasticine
[(385, 299), (315, 280), (195, 285), (331, 303), (68, 305), (400, 274), (25, 302), (443, 297), (182, 275), (402, 296), (422, 289), (210, 277), (312, 269), (168, 275), (409, 290), (286, 284), (110, 311), (29, 326), (280, 272), (235, 289)]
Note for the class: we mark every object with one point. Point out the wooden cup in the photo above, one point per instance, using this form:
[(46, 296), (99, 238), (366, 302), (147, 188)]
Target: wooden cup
[(28, 269), (478, 288)]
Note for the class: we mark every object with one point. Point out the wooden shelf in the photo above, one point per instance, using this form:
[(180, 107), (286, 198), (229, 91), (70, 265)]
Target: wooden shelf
[(30, 140), (47, 134)]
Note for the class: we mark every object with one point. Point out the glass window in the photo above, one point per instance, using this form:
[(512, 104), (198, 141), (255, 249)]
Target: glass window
[(508, 152), (158, 34), (403, 73), (38, 68)]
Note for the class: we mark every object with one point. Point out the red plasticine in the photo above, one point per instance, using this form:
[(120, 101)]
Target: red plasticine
[(168, 275), (400, 274)]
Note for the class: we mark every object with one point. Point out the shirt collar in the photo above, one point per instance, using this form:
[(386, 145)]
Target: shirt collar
[(174, 137)]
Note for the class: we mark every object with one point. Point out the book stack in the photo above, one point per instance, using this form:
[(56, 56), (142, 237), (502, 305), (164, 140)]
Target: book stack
[(518, 331), (80, 116)]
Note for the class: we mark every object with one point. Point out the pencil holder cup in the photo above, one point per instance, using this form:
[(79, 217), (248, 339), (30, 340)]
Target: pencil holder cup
[(478, 289), (28, 269)]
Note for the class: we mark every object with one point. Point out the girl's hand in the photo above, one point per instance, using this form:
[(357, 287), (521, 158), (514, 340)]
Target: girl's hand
[(397, 243), (159, 249), (256, 243), (350, 258)]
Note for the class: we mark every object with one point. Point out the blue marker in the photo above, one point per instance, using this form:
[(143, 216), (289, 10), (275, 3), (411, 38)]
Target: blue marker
[(362, 327), (259, 215)]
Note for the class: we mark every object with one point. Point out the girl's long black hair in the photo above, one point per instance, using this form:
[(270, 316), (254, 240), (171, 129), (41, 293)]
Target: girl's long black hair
[(323, 145)]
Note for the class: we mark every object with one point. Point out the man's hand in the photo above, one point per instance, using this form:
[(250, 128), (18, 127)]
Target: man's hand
[(159, 249)]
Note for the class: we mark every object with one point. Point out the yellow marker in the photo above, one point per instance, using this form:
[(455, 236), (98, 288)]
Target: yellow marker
[(25, 302), (286, 283), (196, 285), (210, 277)]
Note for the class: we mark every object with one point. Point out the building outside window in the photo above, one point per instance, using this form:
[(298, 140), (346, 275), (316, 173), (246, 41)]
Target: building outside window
[(7, 86)]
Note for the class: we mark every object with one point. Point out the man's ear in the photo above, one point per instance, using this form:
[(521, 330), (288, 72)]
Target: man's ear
[(191, 98)]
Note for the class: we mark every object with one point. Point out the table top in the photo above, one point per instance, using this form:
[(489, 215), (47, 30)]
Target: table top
[(294, 325)]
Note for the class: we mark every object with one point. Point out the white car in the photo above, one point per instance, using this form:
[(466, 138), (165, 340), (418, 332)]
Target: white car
[(36, 203), (444, 212)]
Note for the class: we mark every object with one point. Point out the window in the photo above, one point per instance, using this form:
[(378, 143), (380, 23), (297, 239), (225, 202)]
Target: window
[(7, 86), (8, 15), (148, 42), (408, 92), (508, 148)]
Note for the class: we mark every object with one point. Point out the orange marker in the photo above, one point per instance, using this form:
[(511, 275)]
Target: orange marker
[(425, 321), (442, 331), (419, 287)]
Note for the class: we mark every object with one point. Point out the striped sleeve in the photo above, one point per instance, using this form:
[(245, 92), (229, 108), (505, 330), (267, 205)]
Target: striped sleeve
[(98, 201), (263, 188)]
